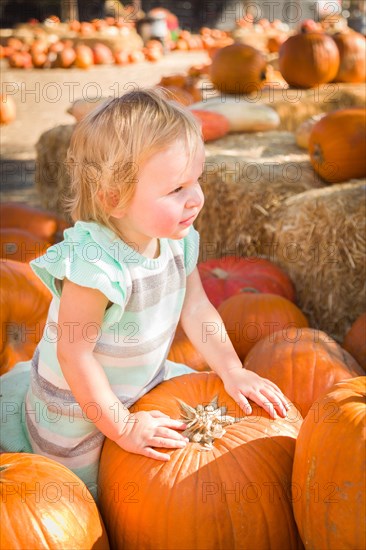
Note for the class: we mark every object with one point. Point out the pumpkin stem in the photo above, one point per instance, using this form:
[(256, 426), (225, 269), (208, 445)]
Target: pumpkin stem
[(219, 273), (205, 422), (250, 289)]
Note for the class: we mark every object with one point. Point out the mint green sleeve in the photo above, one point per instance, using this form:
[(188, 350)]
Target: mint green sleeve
[(191, 245), (83, 261)]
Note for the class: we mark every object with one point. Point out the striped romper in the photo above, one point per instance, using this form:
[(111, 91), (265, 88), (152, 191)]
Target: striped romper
[(132, 345)]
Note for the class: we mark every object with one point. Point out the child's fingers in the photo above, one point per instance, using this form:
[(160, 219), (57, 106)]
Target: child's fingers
[(162, 431), (174, 424), (151, 453), (244, 404), (168, 443), (158, 414), (278, 401)]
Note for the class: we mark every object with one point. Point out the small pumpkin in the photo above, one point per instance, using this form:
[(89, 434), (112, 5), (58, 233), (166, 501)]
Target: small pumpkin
[(352, 52), (308, 59), (234, 492), (7, 109), (304, 363), (214, 125), (337, 145), (223, 277), (248, 317), (238, 69), (183, 351), (329, 470), (355, 340), (45, 505), (24, 302), (84, 57)]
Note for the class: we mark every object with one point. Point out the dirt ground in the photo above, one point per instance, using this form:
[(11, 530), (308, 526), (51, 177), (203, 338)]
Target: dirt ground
[(42, 98)]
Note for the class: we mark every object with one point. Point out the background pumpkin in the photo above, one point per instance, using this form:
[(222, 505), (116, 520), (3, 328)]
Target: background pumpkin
[(214, 125), (308, 59), (329, 470), (352, 53), (355, 340), (218, 498), (24, 302), (183, 351), (248, 317), (304, 363), (238, 69), (337, 145), (45, 505), (223, 277), (20, 245), (42, 224)]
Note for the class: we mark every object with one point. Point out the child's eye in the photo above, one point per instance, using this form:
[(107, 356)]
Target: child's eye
[(177, 190)]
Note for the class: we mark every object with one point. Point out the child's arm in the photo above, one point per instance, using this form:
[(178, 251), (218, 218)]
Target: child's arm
[(81, 309), (205, 328)]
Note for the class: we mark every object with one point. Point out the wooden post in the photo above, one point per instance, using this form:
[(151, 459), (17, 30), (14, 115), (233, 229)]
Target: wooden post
[(69, 10)]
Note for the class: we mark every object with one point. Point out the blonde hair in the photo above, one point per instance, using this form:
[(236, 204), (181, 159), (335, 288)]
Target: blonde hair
[(110, 143)]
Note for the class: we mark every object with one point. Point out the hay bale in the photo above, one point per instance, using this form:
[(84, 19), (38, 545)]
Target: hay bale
[(295, 105), (318, 238), (52, 179), (246, 177)]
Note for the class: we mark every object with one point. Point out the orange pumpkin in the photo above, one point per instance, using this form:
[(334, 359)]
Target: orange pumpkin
[(84, 57), (223, 277), (352, 52), (337, 145), (24, 302), (214, 125), (234, 494), (308, 59), (44, 225), (304, 363), (7, 109), (183, 351), (45, 505), (238, 69), (329, 470), (248, 317), (355, 340), (20, 245)]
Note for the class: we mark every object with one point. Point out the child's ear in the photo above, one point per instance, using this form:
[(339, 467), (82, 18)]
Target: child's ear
[(110, 200)]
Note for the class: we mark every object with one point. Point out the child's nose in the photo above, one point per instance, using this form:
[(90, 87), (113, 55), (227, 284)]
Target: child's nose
[(195, 198)]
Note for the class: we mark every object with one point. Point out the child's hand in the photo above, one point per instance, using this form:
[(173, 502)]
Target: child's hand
[(242, 383), (146, 430)]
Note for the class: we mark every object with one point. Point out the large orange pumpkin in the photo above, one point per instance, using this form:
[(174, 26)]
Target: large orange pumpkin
[(183, 351), (238, 69), (337, 145), (248, 317), (329, 470), (355, 340), (42, 224), (352, 52), (308, 59), (223, 277), (45, 505), (24, 302), (20, 245), (304, 363), (235, 494)]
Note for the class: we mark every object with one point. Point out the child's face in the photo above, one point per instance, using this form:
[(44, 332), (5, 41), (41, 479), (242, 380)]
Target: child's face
[(167, 199)]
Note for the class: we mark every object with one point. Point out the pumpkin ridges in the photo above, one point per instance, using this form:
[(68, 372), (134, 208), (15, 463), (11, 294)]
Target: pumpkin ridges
[(250, 317), (304, 364), (36, 520), (308, 59), (330, 452), (181, 525), (339, 137)]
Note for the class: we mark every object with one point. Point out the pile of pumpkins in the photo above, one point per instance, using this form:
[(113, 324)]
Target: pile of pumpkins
[(265, 483)]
